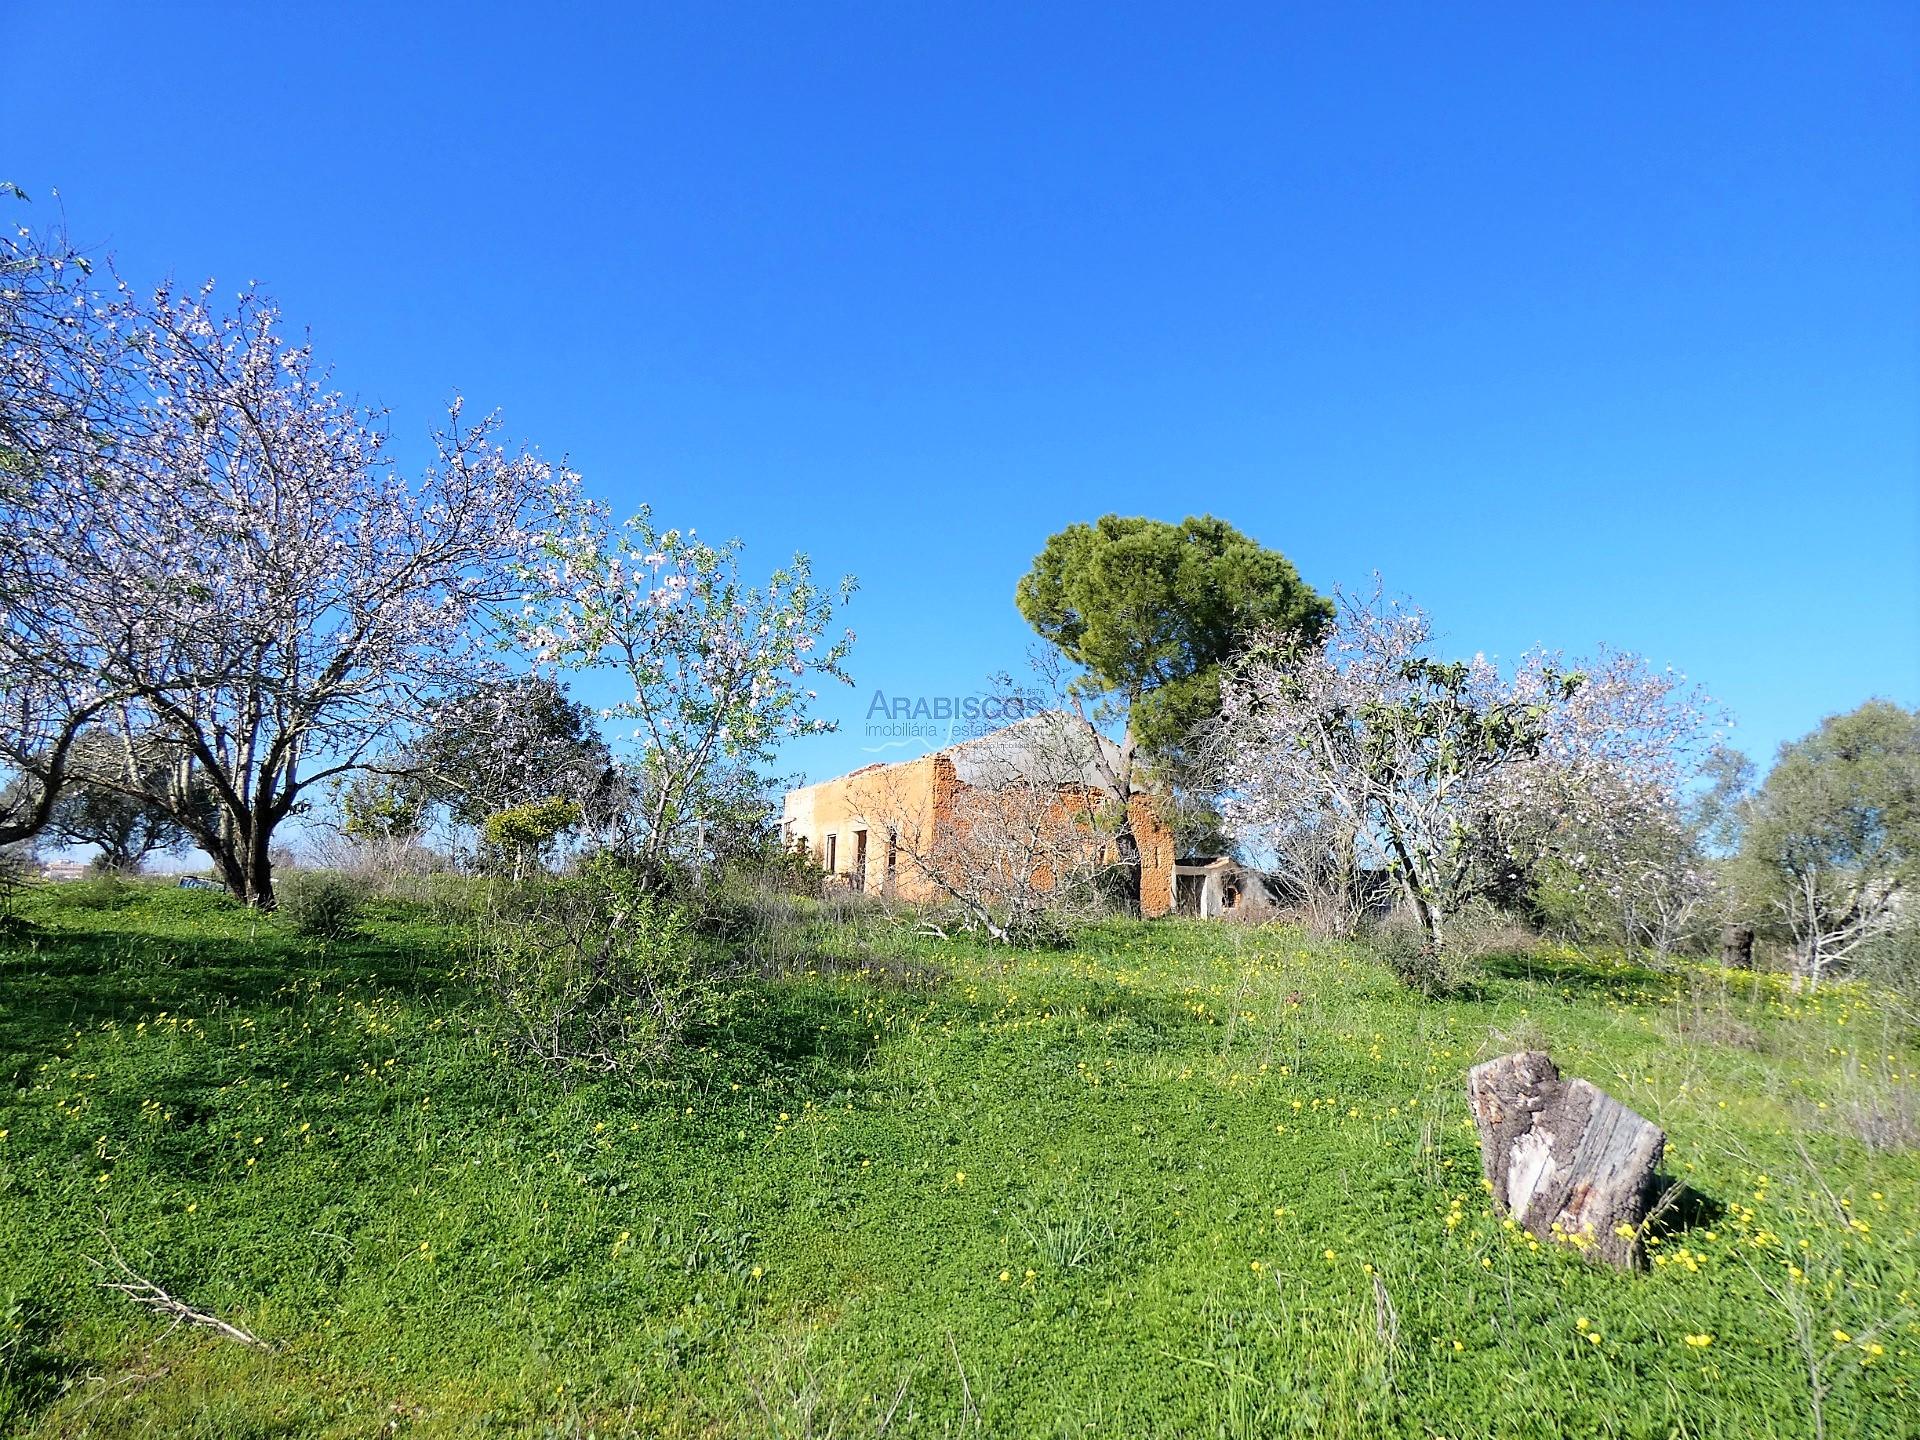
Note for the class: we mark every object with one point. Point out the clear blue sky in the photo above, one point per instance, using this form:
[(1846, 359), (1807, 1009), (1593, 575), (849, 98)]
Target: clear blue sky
[(1577, 326)]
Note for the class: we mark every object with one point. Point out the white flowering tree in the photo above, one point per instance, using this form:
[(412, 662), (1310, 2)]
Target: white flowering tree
[(61, 372), (712, 672), (1458, 780), (235, 566), (1645, 883)]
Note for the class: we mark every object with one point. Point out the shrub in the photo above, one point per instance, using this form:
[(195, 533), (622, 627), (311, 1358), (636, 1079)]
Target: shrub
[(101, 892), (1482, 931), (594, 973), (1402, 944), (1044, 930), (766, 924), (521, 837), (450, 899), (322, 904), (791, 872)]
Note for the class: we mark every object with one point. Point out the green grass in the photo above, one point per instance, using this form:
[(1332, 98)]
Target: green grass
[(1184, 1180)]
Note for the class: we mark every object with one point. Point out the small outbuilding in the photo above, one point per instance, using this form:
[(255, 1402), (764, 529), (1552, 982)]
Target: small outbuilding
[(1209, 886)]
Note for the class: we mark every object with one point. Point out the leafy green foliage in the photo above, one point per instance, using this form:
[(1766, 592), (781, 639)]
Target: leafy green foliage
[(322, 904), (108, 891), (523, 834), (1423, 967), (93, 809), (1151, 611), (382, 808), (1831, 842), (595, 972), (1718, 811), (511, 743)]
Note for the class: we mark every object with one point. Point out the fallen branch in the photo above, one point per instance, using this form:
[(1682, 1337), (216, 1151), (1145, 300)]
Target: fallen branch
[(968, 1410), (1386, 1318), (142, 1291)]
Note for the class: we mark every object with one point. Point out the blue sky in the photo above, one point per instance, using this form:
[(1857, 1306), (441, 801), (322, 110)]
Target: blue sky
[(1580, 324)]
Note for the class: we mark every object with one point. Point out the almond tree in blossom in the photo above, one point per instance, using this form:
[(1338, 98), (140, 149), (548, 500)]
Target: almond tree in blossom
[(234, 565), (61, 372), (1364, 752), (712, 671)]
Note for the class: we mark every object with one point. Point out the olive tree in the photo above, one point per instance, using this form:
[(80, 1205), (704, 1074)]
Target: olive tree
[(122, 828), (1830, 843), (510, 742)]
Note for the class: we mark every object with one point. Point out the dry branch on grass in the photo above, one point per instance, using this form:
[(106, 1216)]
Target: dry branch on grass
[(120, 1276)]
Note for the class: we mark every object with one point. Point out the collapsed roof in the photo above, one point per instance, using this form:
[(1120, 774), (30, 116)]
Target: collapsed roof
[(1051, 747)]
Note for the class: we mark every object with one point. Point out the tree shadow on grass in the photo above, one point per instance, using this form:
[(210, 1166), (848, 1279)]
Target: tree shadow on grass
[(62, 979), (807, 1020), (1619, 982), (33, 1371), (810, 1015), (783, 1027)]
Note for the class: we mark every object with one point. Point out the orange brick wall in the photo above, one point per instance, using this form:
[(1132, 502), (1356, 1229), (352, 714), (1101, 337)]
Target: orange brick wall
[(1156, 856)]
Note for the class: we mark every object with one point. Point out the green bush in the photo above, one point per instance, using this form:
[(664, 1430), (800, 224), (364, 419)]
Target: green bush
[(521, 837), (1403, 946), (789, 872), (748, 909), (102, 892), (593, 973), (1044, 930), (322, 904)]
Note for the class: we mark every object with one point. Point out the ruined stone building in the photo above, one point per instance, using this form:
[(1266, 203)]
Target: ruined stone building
[(852, 826)]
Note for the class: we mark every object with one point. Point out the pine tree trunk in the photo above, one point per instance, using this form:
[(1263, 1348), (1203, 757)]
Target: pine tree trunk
[(1129, 847)]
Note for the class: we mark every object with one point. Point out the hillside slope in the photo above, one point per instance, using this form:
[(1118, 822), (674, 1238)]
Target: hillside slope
[(1183, 1180)]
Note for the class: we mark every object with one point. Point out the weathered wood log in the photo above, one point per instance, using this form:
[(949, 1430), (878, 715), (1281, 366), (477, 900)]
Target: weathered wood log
[(1736, 947), (1566, 1160)]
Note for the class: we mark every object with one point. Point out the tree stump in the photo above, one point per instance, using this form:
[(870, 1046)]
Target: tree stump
[(1566, 1160), (1736, 947)]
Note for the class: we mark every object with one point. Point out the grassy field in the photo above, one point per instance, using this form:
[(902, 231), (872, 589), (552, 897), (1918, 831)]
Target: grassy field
[(1182, 1180)]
